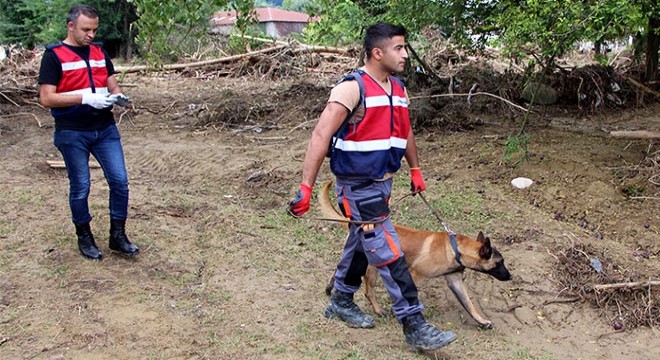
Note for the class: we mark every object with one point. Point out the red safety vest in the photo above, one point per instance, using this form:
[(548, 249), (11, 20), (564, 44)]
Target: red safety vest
[(374, 146), (80, 76)]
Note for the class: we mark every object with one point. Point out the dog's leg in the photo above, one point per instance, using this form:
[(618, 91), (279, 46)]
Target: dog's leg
[(455, 282), (369, 284)]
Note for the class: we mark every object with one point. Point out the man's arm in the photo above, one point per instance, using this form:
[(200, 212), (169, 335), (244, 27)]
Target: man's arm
[(113, 85), (331, 119), (411, 151), (49, 97)]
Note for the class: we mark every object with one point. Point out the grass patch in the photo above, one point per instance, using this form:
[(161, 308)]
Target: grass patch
[(58, 271), (459, 207), (526, 354), (6, 228)]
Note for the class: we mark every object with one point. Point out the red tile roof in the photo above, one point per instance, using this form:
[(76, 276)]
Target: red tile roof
[(263, 15)]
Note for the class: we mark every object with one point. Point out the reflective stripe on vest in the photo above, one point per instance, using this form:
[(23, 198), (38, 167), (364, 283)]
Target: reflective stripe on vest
[(80, 76)]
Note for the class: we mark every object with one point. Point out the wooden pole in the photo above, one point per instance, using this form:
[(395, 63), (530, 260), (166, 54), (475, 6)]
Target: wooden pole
[(628, 285), (637, 134), (299, 46)]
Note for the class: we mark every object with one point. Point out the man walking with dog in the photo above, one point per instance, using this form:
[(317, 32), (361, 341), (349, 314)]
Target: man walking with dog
[(365, 129), (77, 82)]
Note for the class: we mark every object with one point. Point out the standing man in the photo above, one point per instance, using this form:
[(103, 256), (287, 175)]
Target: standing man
[(366, 125), (77, 82)]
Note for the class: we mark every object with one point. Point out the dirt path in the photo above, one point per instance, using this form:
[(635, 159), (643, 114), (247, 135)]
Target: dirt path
[(225, 273)]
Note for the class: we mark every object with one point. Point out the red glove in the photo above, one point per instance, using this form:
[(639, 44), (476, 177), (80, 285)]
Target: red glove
[(300, 205), (416, 180)]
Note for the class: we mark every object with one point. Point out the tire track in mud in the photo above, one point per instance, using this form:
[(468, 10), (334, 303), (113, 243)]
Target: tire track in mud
[(210, 159), (176, 166)]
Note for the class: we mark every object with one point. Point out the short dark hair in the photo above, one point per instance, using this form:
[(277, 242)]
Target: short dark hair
[(83, 9), (379, 32)]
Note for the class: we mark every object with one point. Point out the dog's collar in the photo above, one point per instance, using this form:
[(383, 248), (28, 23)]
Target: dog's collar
[(454, 246)]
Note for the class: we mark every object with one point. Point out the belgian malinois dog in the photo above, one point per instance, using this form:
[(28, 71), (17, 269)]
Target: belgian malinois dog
[(430, 254)]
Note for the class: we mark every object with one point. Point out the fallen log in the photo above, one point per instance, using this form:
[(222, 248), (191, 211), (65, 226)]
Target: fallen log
[(643, 87), (300, 47), (636, 134), (138, 68)]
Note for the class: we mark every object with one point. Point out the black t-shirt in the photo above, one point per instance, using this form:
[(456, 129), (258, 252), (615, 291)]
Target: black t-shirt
[(51, 73)]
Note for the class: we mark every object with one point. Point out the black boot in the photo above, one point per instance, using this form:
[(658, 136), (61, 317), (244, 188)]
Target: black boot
[(86, 243), (421, 335), (343, 308), (119, 241)]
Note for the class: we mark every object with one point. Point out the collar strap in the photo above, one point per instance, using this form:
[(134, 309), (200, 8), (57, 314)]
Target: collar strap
[(454, 246)]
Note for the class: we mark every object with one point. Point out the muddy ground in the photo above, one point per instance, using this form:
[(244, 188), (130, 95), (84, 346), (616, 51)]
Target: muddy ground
[(224, 273)]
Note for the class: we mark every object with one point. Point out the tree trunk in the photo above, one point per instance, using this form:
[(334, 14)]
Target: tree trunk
[(652, 47), (127, 52)]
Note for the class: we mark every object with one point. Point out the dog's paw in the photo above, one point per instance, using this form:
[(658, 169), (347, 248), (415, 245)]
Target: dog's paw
[(486, 325)]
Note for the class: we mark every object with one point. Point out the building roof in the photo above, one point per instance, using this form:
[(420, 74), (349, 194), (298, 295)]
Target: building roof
[(263, 15)]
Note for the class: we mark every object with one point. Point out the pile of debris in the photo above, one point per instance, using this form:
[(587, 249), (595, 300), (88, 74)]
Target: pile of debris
[(627, 298), (18, 76)]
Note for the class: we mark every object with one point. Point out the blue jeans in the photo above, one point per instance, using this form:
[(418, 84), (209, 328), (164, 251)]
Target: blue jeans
[(105, 146)]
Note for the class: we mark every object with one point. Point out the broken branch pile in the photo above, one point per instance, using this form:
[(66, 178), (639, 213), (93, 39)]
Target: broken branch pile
[(617, 290), (18, 76), (281, 60)]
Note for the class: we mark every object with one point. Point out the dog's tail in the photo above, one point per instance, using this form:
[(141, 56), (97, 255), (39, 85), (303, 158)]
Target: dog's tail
[(327, 208), (329, 211)]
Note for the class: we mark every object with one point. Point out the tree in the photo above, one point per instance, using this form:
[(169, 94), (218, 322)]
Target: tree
[(651, 13), (32, 23), (544, 29), (299, 5), (23, 22), (164, 26), (343, 21)]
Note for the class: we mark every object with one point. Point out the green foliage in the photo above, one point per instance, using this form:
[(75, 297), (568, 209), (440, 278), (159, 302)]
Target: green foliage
[(611, 19), (516, 147), (341, 22), (246, 24), (306, 6), (164, 25), (548, 29), (239, 44), (166, 28), (246, 18), (23, 21), (33, 23), (545, 29)]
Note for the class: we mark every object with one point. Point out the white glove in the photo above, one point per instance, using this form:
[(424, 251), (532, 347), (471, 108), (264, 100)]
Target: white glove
[(98, 101), (120, 99)]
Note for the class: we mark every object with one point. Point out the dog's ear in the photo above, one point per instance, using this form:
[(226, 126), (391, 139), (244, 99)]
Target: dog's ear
[(481, 238), (486, 250)]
